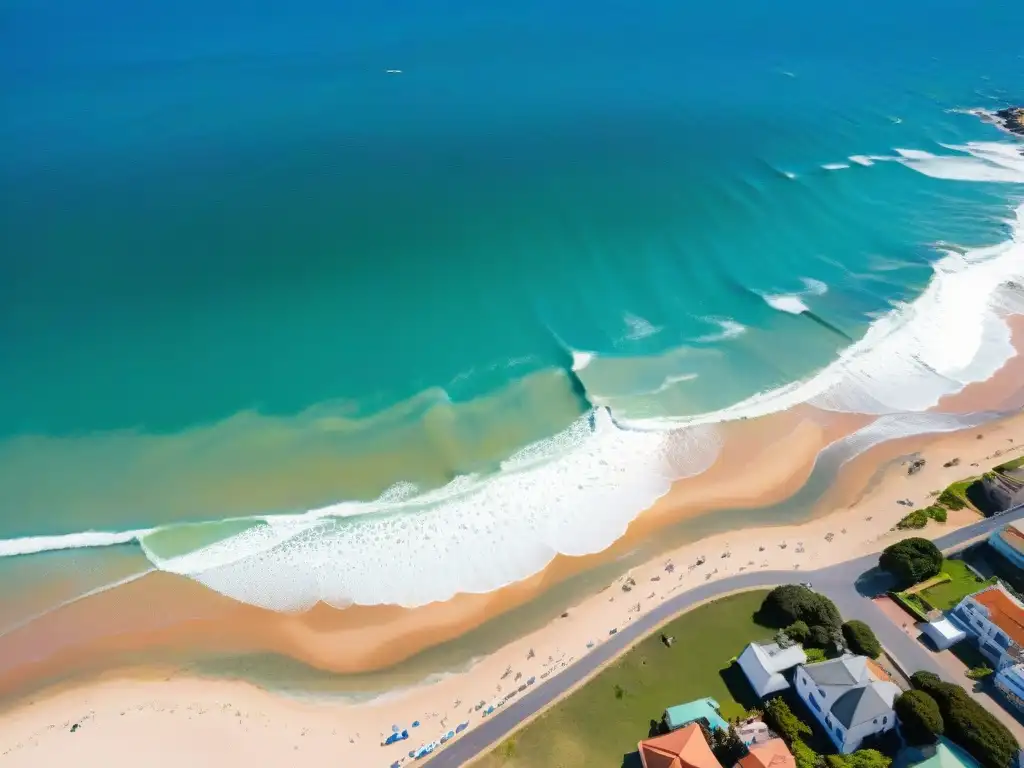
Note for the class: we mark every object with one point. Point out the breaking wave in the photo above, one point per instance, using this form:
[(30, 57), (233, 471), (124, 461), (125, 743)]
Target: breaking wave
[(576, 492)]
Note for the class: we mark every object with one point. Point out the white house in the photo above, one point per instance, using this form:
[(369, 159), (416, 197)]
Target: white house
[(1010, 682), (848, 699), (996, 620), (763, 665)]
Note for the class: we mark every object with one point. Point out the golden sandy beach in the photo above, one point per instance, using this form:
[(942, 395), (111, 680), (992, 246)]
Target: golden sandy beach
[(74, 668)]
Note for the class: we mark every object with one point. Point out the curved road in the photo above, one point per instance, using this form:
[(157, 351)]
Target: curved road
[(848, 584)]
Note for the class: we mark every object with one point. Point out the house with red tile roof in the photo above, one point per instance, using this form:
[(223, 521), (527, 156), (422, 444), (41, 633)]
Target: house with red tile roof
[(683, 748), (995, 619)]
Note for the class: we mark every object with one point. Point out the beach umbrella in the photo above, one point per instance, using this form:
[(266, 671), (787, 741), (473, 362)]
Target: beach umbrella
[(415, 723), (461, 727)]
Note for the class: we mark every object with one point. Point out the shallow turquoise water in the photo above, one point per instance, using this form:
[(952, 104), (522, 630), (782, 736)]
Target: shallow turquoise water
[(247, 271)]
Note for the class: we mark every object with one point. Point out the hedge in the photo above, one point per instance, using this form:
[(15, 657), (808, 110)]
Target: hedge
[(861, 639), (968, 723), (792, 602), (919, 716), (911, 560)]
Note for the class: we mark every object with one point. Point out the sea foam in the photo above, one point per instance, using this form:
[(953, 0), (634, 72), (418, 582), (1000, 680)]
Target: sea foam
[(575, 493), (573, 498)]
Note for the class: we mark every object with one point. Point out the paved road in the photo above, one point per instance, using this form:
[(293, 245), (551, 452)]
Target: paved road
[(847, 584)]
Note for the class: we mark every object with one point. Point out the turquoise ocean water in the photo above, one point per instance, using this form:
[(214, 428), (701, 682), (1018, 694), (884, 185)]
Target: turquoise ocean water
[(302, 299)]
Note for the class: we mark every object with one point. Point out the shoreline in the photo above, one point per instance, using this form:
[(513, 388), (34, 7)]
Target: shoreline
[(140, 705)]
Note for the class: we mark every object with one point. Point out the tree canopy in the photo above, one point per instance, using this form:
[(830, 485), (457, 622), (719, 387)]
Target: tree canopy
[(861, 639), (911, 560), (919, 716), (968, 723), (785, 605)]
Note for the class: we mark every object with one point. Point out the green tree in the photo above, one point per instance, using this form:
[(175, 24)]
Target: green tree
[(727, 745), (919, 716), (790, 603), (868, 758), (819, 637), (968, 723), (911, 560), (782, 720), (798, 631), (804, 756), (861, 639)]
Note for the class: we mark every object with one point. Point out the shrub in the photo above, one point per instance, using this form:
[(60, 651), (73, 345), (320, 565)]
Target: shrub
[(819, 637), (919, 716), (979, 673), (790, 603), (861, 639), (619, 691), (938, 514), (916, 519), (782, 720), (968, 723), (949, 499), (804, 756), (862, 758), (727, 745), (911, 560), (798, 631)]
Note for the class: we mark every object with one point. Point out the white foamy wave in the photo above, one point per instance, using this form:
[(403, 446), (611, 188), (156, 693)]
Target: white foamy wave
[(814, 287), (835, 166), (581, 360), (31, 545), (639, 328), (901, 425), (977, 161), (730, 329), (671, 381), (786, 302), (952, 335), (475, 540), (862, 160)]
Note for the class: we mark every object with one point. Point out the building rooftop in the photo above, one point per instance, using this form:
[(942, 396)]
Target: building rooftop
[(844, 671), (865, 703), (942, 754), (701, 709), (685, 748), (1003, 611), (769, 754)]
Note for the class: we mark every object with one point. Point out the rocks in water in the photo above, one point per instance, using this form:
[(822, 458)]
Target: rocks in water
[(1012, 119)]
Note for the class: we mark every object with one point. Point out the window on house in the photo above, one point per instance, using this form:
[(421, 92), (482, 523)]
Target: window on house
[(884, 720), (814, 702), (839, 732)]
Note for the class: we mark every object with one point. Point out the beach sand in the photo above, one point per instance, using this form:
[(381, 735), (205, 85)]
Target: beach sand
[(75, 686), (161, 717)]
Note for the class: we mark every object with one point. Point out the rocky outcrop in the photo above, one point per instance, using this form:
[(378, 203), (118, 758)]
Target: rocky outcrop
[(1012, 119)]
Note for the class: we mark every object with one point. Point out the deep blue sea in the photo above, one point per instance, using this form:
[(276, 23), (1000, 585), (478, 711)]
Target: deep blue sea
[(261, 259)]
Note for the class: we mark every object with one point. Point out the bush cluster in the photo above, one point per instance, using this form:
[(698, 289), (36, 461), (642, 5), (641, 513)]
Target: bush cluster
[(861, 639), (919, 518), (968, 723), (949, 499), (911, 560), (808, 617), (919, 716), (782, 720)]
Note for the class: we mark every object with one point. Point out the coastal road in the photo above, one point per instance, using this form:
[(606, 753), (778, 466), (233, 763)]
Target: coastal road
[(850, 585)]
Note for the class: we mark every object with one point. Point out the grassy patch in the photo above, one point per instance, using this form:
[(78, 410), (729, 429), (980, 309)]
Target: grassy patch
[(595, 726), (1011, 465), (962, 582), (912, 604)]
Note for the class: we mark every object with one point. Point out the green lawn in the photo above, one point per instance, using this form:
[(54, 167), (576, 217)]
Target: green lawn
[(596, 727), (962, 583), (1011, 465)]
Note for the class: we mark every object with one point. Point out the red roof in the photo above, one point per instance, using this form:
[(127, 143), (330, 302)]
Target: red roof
[(1003, 612), (770, 754), (685, 748)]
